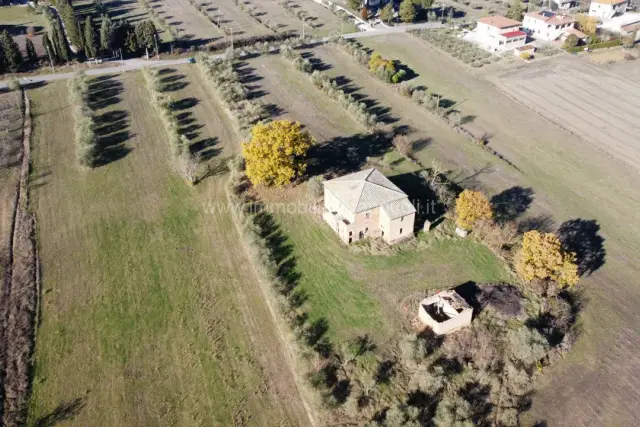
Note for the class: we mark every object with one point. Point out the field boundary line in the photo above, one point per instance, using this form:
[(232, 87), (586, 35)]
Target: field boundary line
[(277, 319), (20, 299)]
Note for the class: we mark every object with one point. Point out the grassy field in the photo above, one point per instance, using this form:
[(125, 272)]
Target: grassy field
[(355, 293), (358, 293), (571, 180), (149, 317)]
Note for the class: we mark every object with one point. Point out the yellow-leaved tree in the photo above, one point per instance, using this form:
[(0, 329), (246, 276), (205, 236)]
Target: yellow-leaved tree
[(542, 257), (276, 153), (587, 24), (472, 206)]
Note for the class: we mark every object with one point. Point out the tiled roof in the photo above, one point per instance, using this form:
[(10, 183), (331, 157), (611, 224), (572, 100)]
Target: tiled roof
[(499, 21), (551, 18), (368, 189), (399, 208), (512, 34), (609, 1), (579, 34)]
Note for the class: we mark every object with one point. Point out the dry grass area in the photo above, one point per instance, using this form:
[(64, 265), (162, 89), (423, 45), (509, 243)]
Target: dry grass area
[(597, 106), (10, 148), (149, 315), (571, 179), (240, 23), (189, 22), (325, 22)]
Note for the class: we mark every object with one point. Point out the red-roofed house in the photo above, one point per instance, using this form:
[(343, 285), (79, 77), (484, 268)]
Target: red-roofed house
[(547, 25), (498, 33)]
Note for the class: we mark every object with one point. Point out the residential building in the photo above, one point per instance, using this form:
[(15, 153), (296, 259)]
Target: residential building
[(366, 204), (625, 24), (547, 25), (445, 312), (498, 33), (565, 4), (607, 9)]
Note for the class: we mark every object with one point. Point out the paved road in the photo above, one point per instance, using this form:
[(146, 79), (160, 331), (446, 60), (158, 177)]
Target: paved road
[(136, 63)]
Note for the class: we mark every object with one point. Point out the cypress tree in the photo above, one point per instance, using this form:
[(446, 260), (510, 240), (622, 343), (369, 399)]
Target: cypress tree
[(70, 24), (11, 51), (106, 34), (62, 46), (31, 52), (90, 46), (48, 47)]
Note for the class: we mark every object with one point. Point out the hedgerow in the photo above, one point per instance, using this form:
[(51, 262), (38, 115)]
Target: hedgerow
[(86, 141), (357, 110), (461, 49), (225, 82)]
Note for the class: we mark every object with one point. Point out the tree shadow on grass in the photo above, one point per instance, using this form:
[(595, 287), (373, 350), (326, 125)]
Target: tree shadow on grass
[(342, 155), (581, 237), (111, 133), (104, 91), (172, 83), (64, 412), (511, 203)]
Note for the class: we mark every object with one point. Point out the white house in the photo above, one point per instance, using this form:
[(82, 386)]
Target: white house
[(547, 25), (498, 33), (366, 204), (565, 4), (607, 9)]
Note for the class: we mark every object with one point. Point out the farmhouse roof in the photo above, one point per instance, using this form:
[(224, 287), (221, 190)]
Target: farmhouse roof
[(369, 189), (499, 21), (609, 1), (579, 34), (551, 18), (513, 34)]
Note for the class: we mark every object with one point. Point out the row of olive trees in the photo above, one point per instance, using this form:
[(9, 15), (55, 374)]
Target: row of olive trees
[(225, 82), (185, 162), (297, 12), (86, 140), (357, 110)]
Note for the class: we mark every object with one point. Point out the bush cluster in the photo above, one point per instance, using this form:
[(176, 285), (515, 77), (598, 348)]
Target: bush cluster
[(465, 51), (224, 80), (86, 141), (385, 69), (357, 110), (592, 46)]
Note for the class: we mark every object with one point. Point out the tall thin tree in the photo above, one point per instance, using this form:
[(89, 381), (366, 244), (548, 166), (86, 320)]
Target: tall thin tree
[(106, 34), (12, 54), (90, 44), (62, 46), (32, 56)]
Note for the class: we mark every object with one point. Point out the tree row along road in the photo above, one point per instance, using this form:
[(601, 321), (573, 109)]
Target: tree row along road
[(137, 63)]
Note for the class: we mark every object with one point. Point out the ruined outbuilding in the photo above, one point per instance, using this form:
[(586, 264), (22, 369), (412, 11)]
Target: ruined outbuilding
[(445, 312)]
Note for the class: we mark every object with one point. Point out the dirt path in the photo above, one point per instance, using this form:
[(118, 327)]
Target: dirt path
[(18, 306)]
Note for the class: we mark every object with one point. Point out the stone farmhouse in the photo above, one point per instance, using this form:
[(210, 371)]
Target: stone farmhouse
[(366, 204), (498, 33), (607, 9)]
